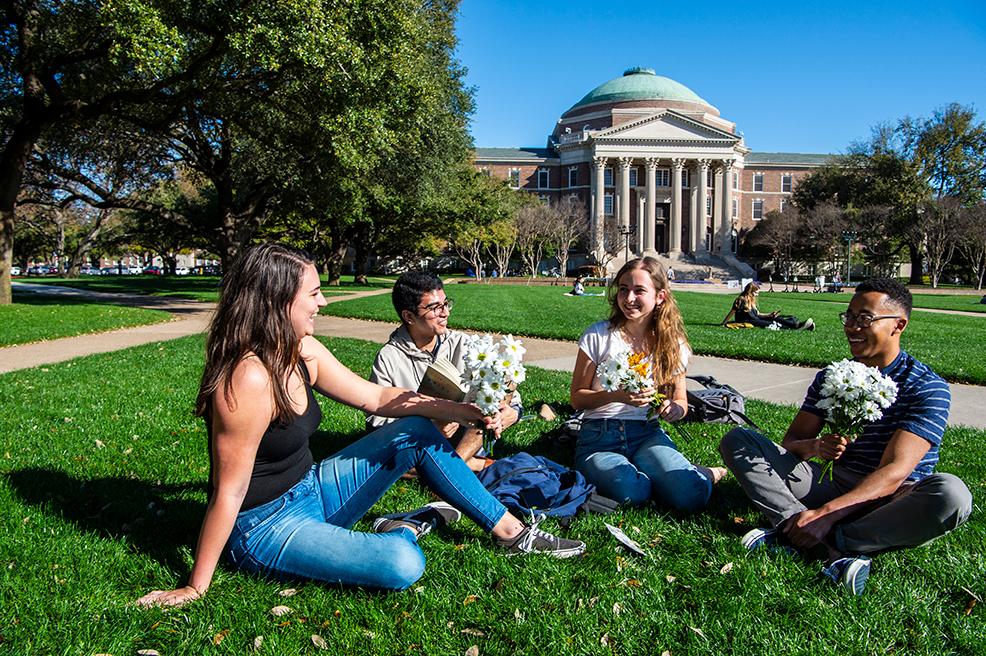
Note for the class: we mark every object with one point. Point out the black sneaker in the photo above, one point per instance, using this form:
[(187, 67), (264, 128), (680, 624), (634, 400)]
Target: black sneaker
[(850, 572), (421, 521), (533, 540)]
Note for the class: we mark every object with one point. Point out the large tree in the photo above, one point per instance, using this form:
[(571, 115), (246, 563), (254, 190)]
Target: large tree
[(63, 64)]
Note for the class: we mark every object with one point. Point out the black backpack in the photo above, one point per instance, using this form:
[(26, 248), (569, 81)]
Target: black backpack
[(716, 403)]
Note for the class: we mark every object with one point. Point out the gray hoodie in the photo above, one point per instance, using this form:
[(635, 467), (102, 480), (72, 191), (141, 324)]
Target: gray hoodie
[(402, 364)]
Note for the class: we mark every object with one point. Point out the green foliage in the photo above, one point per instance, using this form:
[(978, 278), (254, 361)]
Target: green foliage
[(102, 490), (947, 343)]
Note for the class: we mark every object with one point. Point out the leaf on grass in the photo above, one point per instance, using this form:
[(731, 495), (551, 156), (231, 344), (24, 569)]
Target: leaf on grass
[(969, 606), (593, 601), (468, 600), (738, 520), (605, 641), (337, 613), (148, 652), (369, 634), (99, 444), (725, 569), (617, 608), (450, 624), (633, 583), (284, 624), (460, 547), (219, 637), (279, 611), (519, 616), (698, 631), (155, 625), (258, 642), (665, 653), (319, 641), (669, 578), (473, 632), (472, 651), (419, 589), (288, 592)]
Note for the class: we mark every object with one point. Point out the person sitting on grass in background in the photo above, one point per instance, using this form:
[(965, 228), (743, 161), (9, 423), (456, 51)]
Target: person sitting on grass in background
[(271, 510), (628, 457), (578, 287), (883, 493), (423, 337), (744, 310)]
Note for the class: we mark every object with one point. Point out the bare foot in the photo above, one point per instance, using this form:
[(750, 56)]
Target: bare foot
[(718, 473)]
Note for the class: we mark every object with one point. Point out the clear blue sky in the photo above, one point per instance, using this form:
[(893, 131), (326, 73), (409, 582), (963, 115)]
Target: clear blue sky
[(794, 77)]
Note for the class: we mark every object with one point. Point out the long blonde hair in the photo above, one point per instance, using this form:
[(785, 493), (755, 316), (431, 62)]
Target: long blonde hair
[(747, 300), (668, 326)]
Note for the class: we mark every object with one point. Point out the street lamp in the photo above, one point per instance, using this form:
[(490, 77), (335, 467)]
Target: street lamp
[(627, 231), (849, 236)]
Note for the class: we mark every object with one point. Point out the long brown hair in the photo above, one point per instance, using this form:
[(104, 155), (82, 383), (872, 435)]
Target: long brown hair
[(747, 299), (666, 321), (253, 317)]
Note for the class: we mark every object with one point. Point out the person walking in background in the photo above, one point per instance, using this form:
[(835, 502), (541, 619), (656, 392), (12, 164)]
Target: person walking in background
[(271, 510), (629, 458), (744, 310)]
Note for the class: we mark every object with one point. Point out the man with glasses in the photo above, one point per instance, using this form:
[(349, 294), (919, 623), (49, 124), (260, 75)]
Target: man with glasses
[(423, 337), (884, 493)]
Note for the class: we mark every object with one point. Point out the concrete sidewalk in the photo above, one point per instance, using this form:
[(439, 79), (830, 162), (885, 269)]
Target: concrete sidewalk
[(759, 380)]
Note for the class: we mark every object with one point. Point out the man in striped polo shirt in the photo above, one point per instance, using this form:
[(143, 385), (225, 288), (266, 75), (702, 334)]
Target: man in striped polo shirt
[(884, 493)]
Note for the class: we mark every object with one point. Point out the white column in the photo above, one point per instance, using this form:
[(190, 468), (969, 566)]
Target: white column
[(599, 213), (716, 207), (675, 242), (703, 195), (625, 191), (724, 238), (693, 214), (651, 220), (641, 221)]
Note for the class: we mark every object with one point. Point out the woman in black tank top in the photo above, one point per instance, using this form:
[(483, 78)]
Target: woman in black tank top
[(271, 510)]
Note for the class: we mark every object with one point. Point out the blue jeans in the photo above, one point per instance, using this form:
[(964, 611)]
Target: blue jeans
[(305, 533), (634, 461)]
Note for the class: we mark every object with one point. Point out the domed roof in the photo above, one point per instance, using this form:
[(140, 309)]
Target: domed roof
[(640, 84)]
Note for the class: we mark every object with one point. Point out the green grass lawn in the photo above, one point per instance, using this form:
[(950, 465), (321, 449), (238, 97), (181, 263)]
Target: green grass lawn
[(964, 302), (102, 489), (950, 344), (197, 288), (33, 319)]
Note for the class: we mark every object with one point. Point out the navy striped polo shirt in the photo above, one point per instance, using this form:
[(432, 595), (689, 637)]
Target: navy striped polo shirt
[(922, 405)]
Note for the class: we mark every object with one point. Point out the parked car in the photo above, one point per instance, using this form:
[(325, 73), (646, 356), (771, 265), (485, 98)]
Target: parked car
[(39, 270), (89, 270), (153, 271), (109, 271), (181, 271), (15, 271)]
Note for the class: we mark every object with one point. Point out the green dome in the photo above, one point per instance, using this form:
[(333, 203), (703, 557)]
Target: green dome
[(640, 84)]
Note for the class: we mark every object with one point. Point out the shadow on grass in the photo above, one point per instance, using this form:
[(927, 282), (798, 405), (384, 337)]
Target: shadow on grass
[(177, 303), (157, 519)]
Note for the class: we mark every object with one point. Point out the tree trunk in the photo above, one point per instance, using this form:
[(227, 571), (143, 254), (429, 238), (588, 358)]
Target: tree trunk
[(917, 264), (12, 165), (361, 257)]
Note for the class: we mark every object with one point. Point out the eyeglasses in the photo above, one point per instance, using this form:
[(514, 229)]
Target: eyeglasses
[(863, 320), (435, 308)]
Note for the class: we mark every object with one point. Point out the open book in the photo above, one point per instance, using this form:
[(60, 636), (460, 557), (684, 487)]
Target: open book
[(442, 380)]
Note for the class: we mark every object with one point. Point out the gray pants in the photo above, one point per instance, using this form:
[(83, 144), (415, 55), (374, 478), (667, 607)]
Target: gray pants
[(782, 485)]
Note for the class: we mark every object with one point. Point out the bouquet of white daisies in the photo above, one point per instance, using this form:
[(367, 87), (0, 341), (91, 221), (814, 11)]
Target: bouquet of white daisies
[(492, 371), (853, 395), (628, 371)]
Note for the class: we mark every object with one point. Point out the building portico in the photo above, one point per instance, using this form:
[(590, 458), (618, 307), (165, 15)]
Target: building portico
[(657, 167)]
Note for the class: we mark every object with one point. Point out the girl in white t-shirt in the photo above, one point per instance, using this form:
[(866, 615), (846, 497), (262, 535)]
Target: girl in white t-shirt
[(627, 457)]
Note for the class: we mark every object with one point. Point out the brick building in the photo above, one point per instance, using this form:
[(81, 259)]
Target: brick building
[(647, 154)]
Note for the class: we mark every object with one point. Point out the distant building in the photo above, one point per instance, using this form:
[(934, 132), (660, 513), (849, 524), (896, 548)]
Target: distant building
[(646, 151)]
